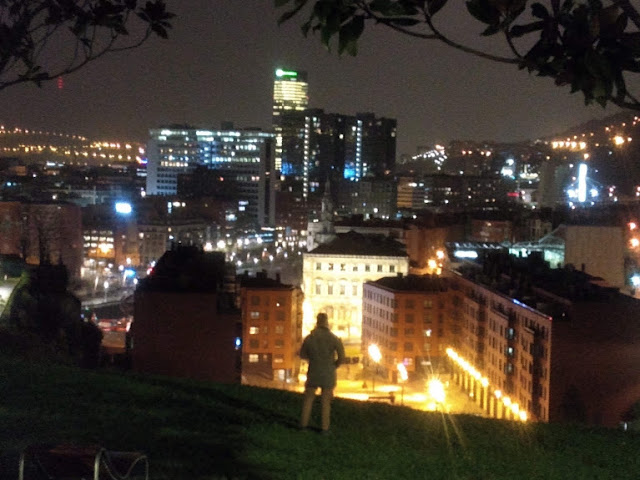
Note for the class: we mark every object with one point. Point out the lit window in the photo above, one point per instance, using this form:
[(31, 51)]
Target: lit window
[(254, 330), (279, 358), (279, 329), (254, 358), (255, 314)]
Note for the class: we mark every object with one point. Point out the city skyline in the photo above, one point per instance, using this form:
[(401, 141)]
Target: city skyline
[(218, 66)]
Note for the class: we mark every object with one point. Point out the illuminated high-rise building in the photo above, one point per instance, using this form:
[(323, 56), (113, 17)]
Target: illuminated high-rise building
[(244, 157), (290, 91), (290, 99)]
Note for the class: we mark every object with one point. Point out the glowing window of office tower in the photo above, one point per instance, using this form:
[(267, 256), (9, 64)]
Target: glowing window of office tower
[(290, 91)]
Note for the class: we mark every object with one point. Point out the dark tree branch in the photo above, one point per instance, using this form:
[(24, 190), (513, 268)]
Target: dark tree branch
[(94, 27)]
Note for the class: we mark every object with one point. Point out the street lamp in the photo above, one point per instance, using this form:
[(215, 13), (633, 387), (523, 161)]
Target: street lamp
[(376, 356), (402, 370), (436, 390)]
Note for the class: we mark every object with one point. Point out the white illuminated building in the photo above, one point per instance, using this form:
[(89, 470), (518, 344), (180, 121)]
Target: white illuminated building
[(333, 275)]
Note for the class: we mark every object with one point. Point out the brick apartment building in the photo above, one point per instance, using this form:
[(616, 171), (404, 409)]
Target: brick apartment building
[(186, 323), (271, 328), (552, 345), (404, 316)]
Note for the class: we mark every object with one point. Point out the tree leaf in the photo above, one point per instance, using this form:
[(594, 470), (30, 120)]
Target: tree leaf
[(540, 11), (434, 6), (520, 30), (483, 11)]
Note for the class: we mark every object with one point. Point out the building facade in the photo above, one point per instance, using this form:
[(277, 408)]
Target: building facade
[(533, 343), (244, 157), (334, 273), (404, 316), (290, 99), (185, 322), (271, 329)]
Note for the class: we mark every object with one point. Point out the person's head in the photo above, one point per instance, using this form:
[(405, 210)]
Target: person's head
[(322, 320)]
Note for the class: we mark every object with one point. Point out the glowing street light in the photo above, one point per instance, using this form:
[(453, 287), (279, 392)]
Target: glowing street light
[(402, 370), (376, 356), (436, 390)]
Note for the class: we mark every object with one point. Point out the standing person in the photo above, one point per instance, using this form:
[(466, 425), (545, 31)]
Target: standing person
[(325, 353)]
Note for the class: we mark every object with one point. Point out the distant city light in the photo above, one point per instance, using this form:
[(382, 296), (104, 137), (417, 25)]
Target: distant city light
[(465, 254), (123, 208), (582, 182)]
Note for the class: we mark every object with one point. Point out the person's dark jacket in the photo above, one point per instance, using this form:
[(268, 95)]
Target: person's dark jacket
[(325, 353)]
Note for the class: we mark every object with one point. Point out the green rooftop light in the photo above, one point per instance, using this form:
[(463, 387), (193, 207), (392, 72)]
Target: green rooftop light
[(286, 73)]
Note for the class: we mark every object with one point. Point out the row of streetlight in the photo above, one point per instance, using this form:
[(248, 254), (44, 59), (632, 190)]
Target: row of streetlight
[(471, 370)]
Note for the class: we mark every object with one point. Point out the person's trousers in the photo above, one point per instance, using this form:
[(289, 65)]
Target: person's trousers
[(309, 397)]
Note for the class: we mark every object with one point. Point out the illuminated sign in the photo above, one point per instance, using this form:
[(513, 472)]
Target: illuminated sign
[(286, 73)]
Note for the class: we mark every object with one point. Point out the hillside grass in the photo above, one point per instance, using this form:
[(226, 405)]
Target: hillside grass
[(196, 430)]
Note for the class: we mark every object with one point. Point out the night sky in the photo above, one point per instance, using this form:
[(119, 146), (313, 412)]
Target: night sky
[(218, 65)]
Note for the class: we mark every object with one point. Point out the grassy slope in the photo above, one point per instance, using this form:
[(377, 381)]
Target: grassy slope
[(194, 430)]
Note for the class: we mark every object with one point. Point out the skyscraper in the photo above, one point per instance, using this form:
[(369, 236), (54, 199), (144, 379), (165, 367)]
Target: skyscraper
[(290, 99), (244, 157)]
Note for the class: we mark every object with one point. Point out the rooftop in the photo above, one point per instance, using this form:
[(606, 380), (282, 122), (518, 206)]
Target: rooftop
[(353, 243), (187, 269), (413, 283), (262, 281)]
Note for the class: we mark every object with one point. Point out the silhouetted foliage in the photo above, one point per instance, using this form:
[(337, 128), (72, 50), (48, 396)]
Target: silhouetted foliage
[(41, 40), (592, 46), (42, 309)]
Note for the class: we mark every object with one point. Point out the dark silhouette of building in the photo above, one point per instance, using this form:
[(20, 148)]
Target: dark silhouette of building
[(186, 323)]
